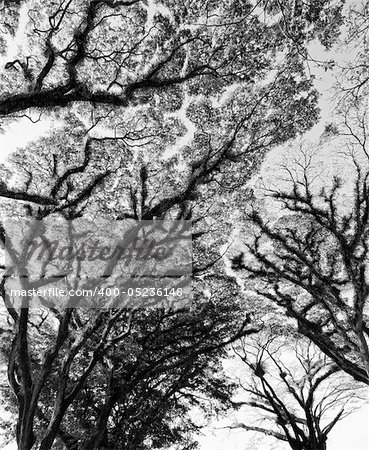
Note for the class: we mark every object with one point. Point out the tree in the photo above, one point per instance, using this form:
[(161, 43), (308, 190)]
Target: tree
[(312, 262), (353, 79), (299, 394), (143, 380), (123, 69), (111, 367), (121, 53)]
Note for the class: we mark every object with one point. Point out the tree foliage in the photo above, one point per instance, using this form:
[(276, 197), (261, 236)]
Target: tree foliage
[(122, 52), (122, 80), (313, 263), (352, 83), (111, 366)]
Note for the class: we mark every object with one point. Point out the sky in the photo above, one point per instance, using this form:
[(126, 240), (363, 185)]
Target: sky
[(20, 133), (349, 434)]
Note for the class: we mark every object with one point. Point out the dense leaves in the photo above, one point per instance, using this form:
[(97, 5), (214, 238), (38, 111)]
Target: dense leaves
[(155, 108)]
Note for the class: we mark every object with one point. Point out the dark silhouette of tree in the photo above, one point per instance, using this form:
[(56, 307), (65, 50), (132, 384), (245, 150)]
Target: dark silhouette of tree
[(298, 393), (129, 390), (112, 377), (316, 266), (115, 53)]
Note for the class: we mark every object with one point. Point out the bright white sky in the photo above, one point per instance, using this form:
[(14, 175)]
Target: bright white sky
[(20, 134), (350, 434)]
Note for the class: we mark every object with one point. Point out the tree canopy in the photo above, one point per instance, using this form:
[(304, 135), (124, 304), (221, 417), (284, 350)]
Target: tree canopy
[(158, 110)]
